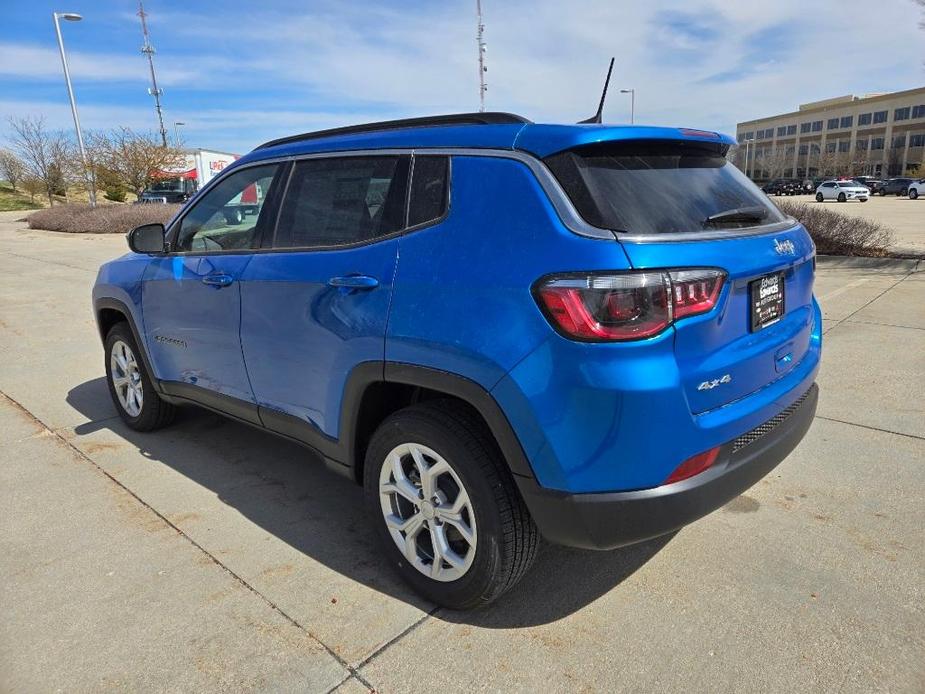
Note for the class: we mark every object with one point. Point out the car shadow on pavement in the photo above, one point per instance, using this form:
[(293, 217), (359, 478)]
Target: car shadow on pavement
[(286, 490)]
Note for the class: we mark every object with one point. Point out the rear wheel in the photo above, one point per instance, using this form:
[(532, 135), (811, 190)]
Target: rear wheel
[(234, 216), (841, 197), (819, 197), (903, 192), (130, 385), (882, 193), (448, 514)]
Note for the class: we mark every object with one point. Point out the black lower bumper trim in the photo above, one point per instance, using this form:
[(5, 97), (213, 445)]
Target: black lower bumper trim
[(614, 519)]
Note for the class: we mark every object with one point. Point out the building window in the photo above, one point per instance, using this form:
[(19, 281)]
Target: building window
[(804, 149), (782, 130), (847, 121), (829, 147), (844, 146), (876, 143), (750, 135), (791, 130), (769, 133), (899, 141), (861, 144), (864, 119), (832, 124), (790, 150), (815, 148), (880, 116), (817, 126), (805, 127), (760, 135), (918, 111), (917, 140), (901, 113)]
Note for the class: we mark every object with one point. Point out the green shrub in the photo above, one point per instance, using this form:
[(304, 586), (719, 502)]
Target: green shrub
[(838, 234), (115, 194), (102, 219)]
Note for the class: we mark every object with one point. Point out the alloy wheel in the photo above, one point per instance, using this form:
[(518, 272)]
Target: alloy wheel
[(126, 378), (428, 512)]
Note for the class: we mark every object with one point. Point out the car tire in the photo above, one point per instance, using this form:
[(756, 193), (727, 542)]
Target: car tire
[(130, 386), (913, 193), (492, 538), (235, 216), (902, 193), (820, 197), (863, 199), (842, 197), (882, 193)]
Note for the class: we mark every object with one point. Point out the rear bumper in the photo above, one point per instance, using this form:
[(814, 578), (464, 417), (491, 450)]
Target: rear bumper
[(608, 520)]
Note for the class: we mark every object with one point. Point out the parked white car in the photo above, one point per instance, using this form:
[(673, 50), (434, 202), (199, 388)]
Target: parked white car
[(916, 188), (842, 191)]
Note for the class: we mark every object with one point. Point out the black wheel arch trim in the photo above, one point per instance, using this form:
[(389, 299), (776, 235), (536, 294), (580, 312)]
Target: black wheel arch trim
[(475, 395), (105, 302)]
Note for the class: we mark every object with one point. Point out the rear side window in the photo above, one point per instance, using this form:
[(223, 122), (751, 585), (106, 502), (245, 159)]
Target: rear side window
[(341, 201), (660, 187), (428, 189)]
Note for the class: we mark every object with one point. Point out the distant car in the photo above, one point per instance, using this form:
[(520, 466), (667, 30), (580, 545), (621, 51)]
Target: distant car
[(842, 191), (782, 186), (916, 188), (896, 186), (870, 182), (809, 186)]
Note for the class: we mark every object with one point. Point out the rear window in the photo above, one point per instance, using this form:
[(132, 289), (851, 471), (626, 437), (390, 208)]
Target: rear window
[(660, 187)]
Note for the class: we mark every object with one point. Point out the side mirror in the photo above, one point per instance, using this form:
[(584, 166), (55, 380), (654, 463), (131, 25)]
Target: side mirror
[(148, 238)]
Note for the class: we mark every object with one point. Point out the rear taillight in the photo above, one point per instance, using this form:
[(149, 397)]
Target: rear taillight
[(603, 307)]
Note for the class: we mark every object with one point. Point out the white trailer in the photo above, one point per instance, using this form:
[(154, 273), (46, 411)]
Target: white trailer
[(198, 168)]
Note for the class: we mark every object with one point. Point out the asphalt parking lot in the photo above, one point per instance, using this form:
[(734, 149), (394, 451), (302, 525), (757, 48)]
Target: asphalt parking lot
[(211, 556), (904, 216)]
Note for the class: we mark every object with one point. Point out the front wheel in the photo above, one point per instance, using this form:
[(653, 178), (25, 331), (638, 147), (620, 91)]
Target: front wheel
[(819, 197), (913, 193), (130, 386), (446, 510)]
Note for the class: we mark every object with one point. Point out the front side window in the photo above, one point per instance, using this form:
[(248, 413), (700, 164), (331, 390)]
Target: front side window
[(231, 214), (660, 187), (342, 201)]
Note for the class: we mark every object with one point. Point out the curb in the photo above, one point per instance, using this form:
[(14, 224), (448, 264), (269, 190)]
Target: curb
[(904, 265)]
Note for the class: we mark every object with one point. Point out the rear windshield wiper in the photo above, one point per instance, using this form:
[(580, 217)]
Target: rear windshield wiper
[(738, 214)]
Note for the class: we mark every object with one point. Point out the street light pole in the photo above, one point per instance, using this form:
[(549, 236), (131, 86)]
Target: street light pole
[(749, 140), (176, 130), (73, 17), (632, 93)]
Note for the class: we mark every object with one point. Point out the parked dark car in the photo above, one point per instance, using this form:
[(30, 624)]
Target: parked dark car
[(783, 186), (870, 182), (896, 186)]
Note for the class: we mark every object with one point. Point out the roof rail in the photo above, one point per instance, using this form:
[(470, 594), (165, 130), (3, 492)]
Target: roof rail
[(480, 118)]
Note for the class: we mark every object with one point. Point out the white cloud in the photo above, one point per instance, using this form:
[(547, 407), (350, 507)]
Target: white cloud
[(707, 65)]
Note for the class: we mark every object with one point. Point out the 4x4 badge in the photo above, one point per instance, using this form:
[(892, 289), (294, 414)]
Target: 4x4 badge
[(710, 385), (785, 247)]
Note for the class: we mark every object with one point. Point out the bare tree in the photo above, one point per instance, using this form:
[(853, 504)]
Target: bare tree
[(134, 159), (44, 153), (778, 162), (11, 167), (33, 186)]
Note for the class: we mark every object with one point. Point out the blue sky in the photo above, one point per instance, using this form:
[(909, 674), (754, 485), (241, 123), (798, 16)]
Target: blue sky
[(239, 73)]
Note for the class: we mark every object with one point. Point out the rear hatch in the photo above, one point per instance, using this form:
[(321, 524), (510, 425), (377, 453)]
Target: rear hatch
[(681, 204)]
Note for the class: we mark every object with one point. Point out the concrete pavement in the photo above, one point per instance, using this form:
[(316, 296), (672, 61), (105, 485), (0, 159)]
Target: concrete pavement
[(212, 556)]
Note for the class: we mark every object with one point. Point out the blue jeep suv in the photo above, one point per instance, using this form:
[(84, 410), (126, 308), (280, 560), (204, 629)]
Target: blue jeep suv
[(502, 330)]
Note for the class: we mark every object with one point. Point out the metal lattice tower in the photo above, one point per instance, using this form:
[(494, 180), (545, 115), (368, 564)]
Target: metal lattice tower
[(483, 68), (153, 90)]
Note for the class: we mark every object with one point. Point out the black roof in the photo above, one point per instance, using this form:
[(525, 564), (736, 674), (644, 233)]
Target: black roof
[(480, 118)]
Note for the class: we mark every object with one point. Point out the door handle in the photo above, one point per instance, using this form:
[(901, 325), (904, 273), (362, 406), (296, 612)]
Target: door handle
[(218, 280), (354, 282)]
